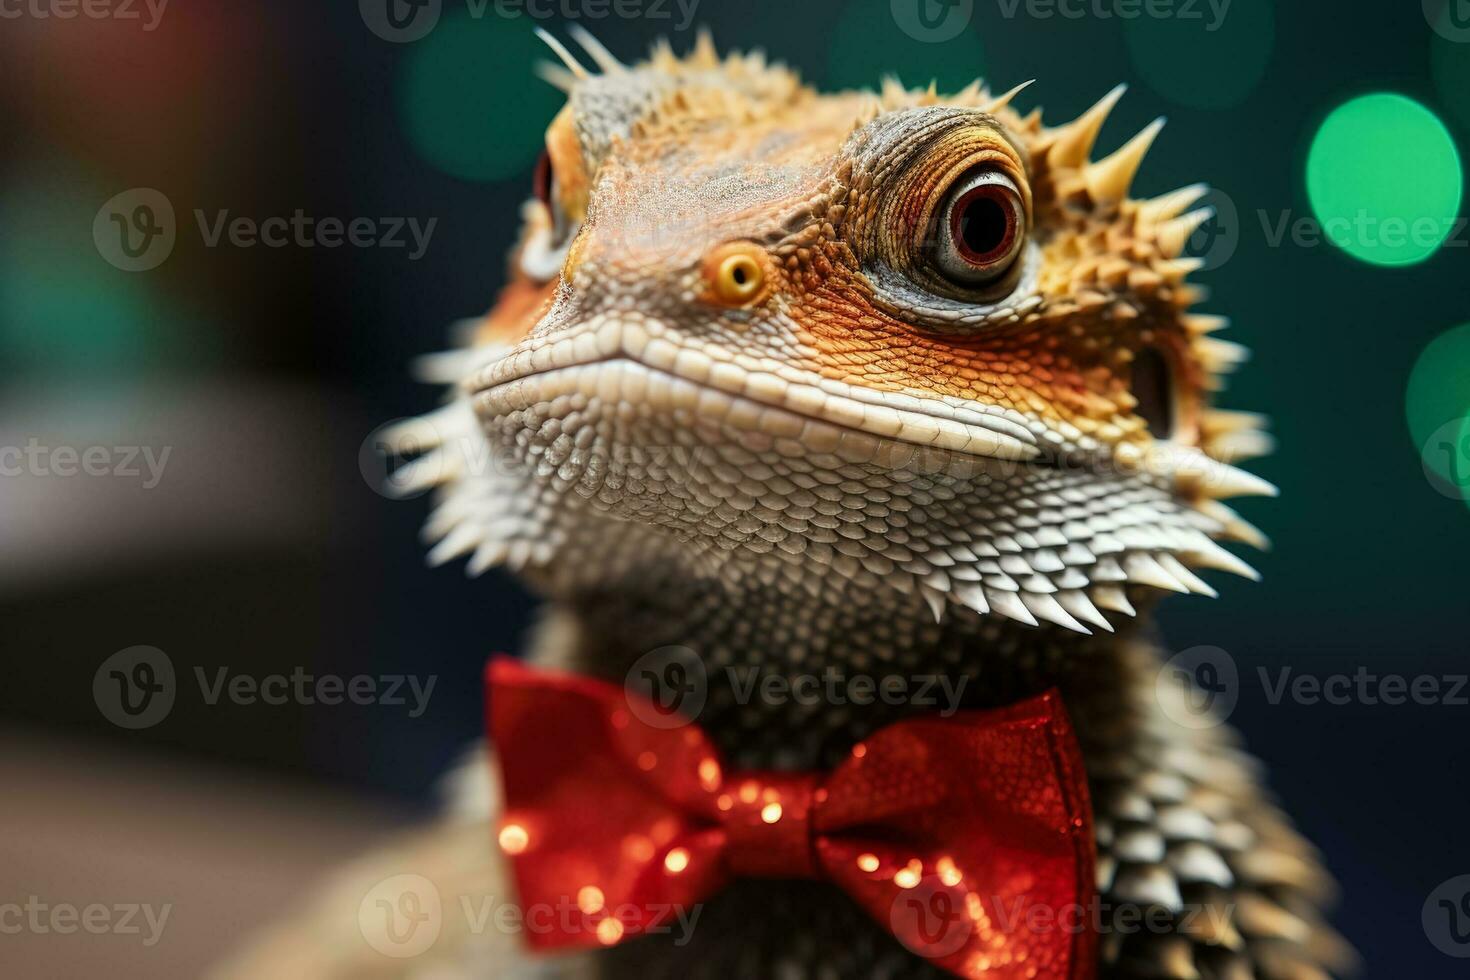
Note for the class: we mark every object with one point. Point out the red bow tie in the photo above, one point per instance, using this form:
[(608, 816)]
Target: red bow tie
[(968, 837)]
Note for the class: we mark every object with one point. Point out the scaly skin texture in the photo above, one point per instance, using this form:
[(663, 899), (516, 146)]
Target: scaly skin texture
[(866, 466)]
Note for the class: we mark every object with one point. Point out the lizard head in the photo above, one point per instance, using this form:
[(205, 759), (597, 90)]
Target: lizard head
[(917, 342)]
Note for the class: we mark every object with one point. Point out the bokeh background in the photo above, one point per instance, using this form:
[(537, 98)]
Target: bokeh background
[(264, 548)]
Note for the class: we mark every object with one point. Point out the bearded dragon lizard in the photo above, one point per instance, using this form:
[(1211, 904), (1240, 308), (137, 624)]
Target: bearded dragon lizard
[(895, 383)]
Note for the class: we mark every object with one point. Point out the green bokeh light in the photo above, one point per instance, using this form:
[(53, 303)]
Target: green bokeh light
[(868, 43), (1384, 179), (1206, 56), (64, 312), (469, 100), (1438, 395)]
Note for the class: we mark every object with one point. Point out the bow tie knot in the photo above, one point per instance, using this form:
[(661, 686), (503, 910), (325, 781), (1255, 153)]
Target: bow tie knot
[(767, 819)]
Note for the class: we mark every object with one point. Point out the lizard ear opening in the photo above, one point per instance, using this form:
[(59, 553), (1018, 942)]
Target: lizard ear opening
[(1154, 390)]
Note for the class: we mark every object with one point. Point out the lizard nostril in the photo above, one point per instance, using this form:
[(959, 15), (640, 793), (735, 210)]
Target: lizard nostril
[(736, 274)]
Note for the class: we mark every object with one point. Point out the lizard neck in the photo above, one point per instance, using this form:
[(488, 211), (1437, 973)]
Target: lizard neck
[(783, 676)]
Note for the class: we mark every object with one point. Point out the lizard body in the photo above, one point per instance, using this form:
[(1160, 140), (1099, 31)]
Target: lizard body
[(893, 384)]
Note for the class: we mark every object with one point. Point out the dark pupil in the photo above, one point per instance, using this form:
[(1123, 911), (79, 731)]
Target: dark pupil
[(983, 225), (739, 276)]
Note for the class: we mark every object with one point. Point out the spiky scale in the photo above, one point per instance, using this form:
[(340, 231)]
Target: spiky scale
[(1108, 179)]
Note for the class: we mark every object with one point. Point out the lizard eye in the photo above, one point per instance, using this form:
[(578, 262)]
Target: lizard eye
[(979, 229), (543, 186), (541, 182), (544, 253)]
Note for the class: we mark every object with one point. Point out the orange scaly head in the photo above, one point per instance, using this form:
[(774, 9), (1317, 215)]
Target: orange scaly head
[(918, 343)]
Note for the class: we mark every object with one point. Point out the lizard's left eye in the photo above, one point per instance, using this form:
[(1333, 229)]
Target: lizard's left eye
[(541, 181), (543, 186), (979, 229)]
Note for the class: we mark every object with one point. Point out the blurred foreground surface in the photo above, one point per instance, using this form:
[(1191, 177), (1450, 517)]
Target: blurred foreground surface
[(177, 862)]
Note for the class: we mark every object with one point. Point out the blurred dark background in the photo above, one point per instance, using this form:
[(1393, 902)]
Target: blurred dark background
[(263, 547)]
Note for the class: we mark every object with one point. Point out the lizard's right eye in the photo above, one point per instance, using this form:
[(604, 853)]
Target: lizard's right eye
[(980, 229)]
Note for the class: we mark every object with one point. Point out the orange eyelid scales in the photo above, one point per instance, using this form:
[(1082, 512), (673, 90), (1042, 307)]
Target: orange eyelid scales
[(736, 274), (565, 152)]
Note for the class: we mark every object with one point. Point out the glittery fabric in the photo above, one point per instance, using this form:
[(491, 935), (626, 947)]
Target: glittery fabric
[(969, 838)]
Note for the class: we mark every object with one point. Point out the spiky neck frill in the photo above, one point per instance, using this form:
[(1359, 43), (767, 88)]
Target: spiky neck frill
[(785, 678)]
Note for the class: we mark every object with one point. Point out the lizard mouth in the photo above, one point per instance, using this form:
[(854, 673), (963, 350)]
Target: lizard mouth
[(625, 366)]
